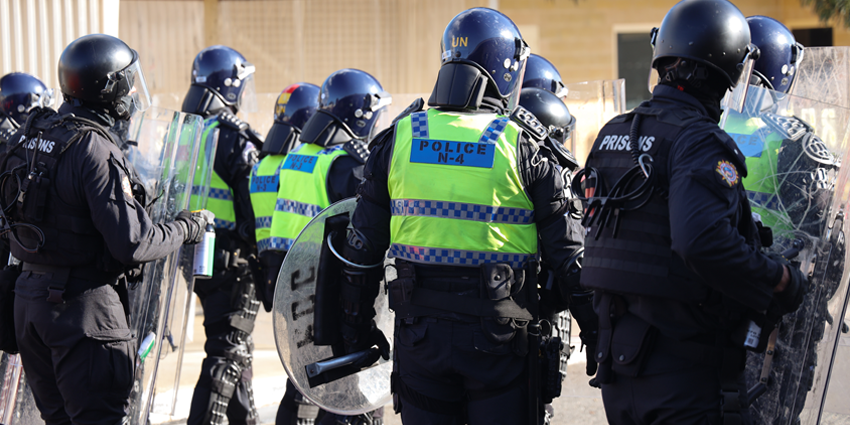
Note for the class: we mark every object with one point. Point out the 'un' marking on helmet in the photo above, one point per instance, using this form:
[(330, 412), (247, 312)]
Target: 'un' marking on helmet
[(460, 41)]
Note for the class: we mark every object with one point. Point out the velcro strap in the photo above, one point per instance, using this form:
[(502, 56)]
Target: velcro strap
[(445, 301)]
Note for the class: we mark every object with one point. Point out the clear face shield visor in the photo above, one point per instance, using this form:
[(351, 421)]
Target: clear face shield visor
[(737, 98), (138, 86), (248, 95)]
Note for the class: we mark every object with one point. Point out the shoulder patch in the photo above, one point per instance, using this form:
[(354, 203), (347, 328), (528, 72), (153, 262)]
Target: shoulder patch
[(127, 188), (529, 123), (416, 106), (727, 173), (357, 149), (791, 128)]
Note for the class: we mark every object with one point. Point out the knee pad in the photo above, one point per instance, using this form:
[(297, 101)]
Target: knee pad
[(225, 376)]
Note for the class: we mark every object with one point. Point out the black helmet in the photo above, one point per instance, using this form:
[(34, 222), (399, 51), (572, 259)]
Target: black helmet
[(551, 111), (221, 77), (295, 105), (710, 32), (351, 100), (20, 93), (540, 73), (480, 48), (101, 71), (779, 53)]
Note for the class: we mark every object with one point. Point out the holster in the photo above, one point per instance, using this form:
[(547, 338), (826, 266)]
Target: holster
[(8, 277)]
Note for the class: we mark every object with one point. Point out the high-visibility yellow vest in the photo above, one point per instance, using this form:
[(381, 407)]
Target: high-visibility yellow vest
[(219, 196), (457, 195), (264, 188), (303, 192)]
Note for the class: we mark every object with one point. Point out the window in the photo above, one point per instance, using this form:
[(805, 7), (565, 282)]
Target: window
[(634, 57), (814, 37)]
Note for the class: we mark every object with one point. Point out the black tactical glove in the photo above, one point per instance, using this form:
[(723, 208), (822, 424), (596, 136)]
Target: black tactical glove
[(792, 296), (194, 224), (581, 308), (359, 338)]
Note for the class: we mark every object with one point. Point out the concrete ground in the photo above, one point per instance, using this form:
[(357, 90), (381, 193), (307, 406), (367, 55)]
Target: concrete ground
[(579, 403)]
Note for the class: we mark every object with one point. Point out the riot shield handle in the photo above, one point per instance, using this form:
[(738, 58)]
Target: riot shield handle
[(333, 368)]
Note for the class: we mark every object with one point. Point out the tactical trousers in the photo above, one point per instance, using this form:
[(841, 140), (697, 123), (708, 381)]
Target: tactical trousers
[(78, 356), (449, 372), (224, 387)]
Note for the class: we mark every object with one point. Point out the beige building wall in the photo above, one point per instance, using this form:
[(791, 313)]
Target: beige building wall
[(580, 37), (33, 33)]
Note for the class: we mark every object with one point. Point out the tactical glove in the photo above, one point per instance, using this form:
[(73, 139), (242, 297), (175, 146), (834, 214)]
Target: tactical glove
[(792, 296), (581, 308), (194, 224)]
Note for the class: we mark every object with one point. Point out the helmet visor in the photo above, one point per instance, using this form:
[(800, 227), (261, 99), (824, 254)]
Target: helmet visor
[(737, 99), (138, 86), (248, 96)]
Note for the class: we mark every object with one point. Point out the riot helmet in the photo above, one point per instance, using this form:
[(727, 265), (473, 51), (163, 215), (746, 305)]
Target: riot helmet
[(350, 105), (295, 105), (482, 51), (102, 72), (779, 53), (540, 73), (221, 78), (701, 38), (20, 93), (551, 111)]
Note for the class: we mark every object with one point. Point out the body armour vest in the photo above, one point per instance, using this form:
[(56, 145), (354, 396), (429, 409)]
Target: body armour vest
[(303, 192), (70, 237), (456, 193), (264, 188), (639, 259), (219, 197)]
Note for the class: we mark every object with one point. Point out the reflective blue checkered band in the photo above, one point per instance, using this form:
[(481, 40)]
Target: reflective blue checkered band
[(196, 190), (455, 257), (300, 208), (280, 244), (223, 194), (494, 130), (224, 224), (330, 150), (419, 124), (274, 243), (263, 222), (461, 211), (763, 200)]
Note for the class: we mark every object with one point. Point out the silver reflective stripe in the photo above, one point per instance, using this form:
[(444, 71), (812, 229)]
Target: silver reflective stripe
[(456, 257), (295, 207), (461, 211)]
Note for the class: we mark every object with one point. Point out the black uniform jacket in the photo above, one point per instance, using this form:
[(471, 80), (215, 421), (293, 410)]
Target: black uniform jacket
[(708, 209), (90, 175)]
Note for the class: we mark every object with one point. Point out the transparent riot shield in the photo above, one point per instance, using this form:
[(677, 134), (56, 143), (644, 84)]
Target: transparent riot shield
[(294, 317), (164, 155), (593, 103), (824, 74), (796, 185)]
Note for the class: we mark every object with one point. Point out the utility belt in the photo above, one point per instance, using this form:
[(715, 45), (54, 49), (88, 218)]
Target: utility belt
[(493, 290), (626, 342), (230, 253), (82, 278)]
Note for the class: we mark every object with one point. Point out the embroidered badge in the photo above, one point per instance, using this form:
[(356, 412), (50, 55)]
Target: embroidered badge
[(727, 172), (126, 188)]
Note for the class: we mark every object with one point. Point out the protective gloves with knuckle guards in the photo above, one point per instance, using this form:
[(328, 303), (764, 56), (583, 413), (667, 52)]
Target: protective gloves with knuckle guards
[(194, 224), (792, 296), (357, 324)]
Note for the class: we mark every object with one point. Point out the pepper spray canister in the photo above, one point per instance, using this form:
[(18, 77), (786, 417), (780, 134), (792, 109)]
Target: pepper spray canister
[(205, 254)]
